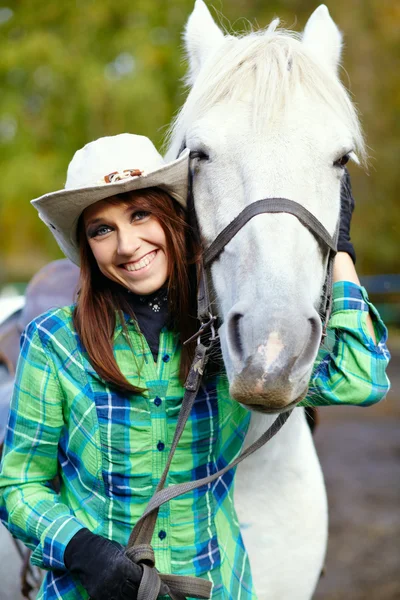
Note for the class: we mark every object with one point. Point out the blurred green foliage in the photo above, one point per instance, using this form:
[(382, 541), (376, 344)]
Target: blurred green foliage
[(72, 71)]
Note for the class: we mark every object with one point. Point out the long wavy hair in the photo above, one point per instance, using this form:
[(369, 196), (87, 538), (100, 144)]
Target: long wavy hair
[(100, 299)]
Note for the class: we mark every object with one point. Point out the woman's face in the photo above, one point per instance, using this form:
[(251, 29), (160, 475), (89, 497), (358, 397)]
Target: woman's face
[(129, 245)]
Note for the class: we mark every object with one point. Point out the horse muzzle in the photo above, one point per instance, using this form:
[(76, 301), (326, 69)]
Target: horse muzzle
[(269, 368)]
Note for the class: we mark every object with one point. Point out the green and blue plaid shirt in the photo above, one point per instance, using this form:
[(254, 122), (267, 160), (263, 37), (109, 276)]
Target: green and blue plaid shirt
[(109, 449)]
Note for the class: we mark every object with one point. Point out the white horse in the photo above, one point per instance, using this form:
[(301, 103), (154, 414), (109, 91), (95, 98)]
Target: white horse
[(268, 117)]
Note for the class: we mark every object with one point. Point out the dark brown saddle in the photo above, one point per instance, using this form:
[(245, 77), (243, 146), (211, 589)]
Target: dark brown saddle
[(53, 286)]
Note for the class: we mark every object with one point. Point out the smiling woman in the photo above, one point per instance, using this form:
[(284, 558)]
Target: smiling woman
[(128, 244), (136, 242)]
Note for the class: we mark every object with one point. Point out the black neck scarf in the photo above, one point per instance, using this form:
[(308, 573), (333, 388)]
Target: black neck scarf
[(151, 312)]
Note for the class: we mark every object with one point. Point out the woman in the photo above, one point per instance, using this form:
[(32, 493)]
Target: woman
[(99, 385)]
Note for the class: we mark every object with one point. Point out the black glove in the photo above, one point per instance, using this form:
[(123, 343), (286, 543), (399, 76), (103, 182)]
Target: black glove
[(346, 211), (102, 567)]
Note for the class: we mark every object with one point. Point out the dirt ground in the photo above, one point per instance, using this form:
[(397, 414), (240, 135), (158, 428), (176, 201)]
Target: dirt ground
[(360, 454), (359, 451)]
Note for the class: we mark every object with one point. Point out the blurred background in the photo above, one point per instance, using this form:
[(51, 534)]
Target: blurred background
[(73, 71)]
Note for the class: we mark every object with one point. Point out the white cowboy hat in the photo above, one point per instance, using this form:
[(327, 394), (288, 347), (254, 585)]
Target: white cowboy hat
[(103, 168)]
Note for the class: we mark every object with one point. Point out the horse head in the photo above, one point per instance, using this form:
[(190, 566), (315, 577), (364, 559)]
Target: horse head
[(267, 116)]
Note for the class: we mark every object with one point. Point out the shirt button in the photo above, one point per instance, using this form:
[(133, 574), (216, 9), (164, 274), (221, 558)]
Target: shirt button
[(162, 535), (157, 401), (160, 446), (166, 357)]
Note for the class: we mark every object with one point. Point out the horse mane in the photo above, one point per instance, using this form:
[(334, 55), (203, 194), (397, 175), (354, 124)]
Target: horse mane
[(268, 64)]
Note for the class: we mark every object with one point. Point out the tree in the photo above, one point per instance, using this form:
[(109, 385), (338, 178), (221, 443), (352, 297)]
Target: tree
[(72, 72)]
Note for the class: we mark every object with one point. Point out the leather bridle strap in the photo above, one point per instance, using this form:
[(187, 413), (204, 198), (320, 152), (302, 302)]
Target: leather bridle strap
[(265, 205), (268, 205), (275, 206)]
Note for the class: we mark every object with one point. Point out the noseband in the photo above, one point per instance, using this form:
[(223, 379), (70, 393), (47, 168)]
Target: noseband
[(139, 548)]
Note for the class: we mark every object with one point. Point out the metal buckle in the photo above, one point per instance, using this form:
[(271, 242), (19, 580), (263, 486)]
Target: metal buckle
[(203, 328)]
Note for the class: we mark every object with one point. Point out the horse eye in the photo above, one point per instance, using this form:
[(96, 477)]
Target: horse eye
[(342, 161), (199, 154)]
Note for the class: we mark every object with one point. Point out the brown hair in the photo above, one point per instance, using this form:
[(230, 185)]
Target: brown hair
[(100, 298)]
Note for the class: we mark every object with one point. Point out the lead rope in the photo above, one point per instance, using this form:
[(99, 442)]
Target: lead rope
[(139, 548)]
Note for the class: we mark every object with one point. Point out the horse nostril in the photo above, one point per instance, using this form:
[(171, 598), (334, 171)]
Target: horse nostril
[(235, 343), (310, 349)]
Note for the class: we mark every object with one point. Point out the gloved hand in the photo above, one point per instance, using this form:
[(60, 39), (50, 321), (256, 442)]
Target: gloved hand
[(102, 567), (346, 212)]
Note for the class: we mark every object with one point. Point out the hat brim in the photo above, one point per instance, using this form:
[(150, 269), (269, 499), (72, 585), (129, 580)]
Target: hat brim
[(61, 210)]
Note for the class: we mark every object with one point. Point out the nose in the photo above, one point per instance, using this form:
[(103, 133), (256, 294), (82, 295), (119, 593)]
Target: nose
[(128, 242), (235, 334), (244, 340), (270, 356), (310, 348)]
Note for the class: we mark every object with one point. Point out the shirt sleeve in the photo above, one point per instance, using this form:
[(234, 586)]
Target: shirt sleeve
[(29, 506), (350, 368)]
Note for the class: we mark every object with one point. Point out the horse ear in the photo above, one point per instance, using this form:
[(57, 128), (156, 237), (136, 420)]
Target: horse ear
[(323, 38), (202, 36)]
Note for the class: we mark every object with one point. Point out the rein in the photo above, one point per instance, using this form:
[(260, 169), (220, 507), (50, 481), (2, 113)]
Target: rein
[(154, 584)]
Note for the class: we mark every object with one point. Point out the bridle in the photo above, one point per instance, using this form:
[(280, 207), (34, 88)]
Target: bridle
[(139, 548), (263, 206)]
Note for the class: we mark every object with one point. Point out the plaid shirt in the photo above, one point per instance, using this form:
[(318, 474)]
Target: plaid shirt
[(110, 449)]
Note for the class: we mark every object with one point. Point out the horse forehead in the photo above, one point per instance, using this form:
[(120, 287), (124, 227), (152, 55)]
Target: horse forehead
[(231, 124)]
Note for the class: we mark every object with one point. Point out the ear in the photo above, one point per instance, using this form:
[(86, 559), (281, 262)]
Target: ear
[(323, 38), (202, 36)]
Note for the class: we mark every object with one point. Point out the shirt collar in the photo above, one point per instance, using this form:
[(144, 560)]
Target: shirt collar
[(130, 323)]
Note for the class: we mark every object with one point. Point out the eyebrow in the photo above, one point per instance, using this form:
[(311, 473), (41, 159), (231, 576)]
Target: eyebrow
[(94, 222), (101, 219)]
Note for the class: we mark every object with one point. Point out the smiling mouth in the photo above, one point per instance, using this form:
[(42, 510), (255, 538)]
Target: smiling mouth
[(140, 264)]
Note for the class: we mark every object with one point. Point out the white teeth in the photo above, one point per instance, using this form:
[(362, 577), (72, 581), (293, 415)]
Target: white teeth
[(146, 260)]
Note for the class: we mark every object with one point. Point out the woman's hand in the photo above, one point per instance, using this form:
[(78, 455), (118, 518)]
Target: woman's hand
[(345, 259), (346, 212), (343, 266), (102, 567)]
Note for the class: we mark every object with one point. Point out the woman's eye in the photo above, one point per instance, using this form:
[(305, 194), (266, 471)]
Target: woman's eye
[(199, 154), (342, 161), (139, 215), (102, 230)]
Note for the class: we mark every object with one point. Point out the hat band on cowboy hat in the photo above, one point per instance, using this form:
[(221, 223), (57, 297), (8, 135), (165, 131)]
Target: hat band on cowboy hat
[(101, 169)]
